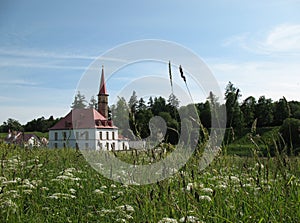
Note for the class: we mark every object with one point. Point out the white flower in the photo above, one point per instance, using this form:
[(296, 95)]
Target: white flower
[(61, 195), (168, 220), (103, 187), (97, 191), (205, 197), (113, 186), (207, 190), (221, 186), (9, 182), (45, 188), (27, 191), (72, 191), (189, 219), (257, 165), (234, 179), (125, 207)]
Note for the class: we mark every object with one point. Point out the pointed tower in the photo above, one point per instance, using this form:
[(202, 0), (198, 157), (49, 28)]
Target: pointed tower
[(103, 97)]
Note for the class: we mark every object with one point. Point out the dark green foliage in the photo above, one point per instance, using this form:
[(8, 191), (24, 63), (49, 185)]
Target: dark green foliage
[(290, 131), (40, 124), (11, 124), (248, 109), (264, 112)]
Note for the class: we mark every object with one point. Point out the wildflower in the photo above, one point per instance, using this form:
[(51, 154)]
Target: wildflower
[(29, 186), (247, 185), (259, 165), (45, 188), (221, 186), (125, 207), (9, 204), (113, 186), (205, 197), (168, 220), (9, 182), (27, 191), (121, 220), (189, 219), (61, 195), (207, 190), (189, 186), (3, 179), (13, 194), (72, 191), (103, 187), (234, 179), (97, 191)]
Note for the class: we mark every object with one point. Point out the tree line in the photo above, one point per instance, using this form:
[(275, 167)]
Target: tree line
[(133, 116)]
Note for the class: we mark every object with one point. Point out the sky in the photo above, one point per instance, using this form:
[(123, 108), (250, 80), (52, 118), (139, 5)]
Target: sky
[(47, 46)]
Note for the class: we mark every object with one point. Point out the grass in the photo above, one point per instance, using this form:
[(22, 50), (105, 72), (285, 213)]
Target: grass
[(58, 185)]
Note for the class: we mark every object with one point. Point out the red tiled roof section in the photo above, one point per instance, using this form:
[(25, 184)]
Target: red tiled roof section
[(83, 119)]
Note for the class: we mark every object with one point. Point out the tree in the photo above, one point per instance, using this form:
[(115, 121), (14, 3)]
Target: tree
[(290, 131), (150, 102), (159, 105), (204, 114), (132, 103), (264, 112), (173, 101), (120, 114), (12, 124), (234, 114), (141, 105), (295, 109), (79, 101), (93, 103), (248, 110)]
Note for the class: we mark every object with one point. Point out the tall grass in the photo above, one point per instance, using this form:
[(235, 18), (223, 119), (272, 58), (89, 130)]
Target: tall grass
[(58, 185)]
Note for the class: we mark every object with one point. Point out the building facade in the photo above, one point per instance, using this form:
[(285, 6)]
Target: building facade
[(88, 128)]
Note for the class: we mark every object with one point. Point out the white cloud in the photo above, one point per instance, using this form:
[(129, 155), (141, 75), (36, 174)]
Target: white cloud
[(272, 79), (282, 39)]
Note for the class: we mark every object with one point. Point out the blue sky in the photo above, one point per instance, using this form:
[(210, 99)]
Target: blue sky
[(46, 46)]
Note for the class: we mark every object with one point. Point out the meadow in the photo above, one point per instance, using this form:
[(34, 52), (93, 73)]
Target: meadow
[(58, 185)]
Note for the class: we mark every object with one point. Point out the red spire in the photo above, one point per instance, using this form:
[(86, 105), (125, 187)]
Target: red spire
[(102, 90)]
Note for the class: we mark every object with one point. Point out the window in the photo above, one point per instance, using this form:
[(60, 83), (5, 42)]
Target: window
[(101, 135), (77, 135), (107, 146), (86, 135), (55, 136), (76, 145), (64, 135), (64, 145), (86, 145), (113, 135), (107, 135), (113, 146), (55, 145)]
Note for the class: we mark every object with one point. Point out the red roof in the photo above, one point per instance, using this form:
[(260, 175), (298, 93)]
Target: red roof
[(102, 90), (81, 118)]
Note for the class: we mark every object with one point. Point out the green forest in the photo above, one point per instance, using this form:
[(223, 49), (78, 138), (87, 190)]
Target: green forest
[(249, 116)]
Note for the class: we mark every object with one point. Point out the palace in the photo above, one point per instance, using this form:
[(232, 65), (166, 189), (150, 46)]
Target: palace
[(88, 128)]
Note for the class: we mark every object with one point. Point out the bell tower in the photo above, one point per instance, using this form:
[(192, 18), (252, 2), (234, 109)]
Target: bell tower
[(103, 97)]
